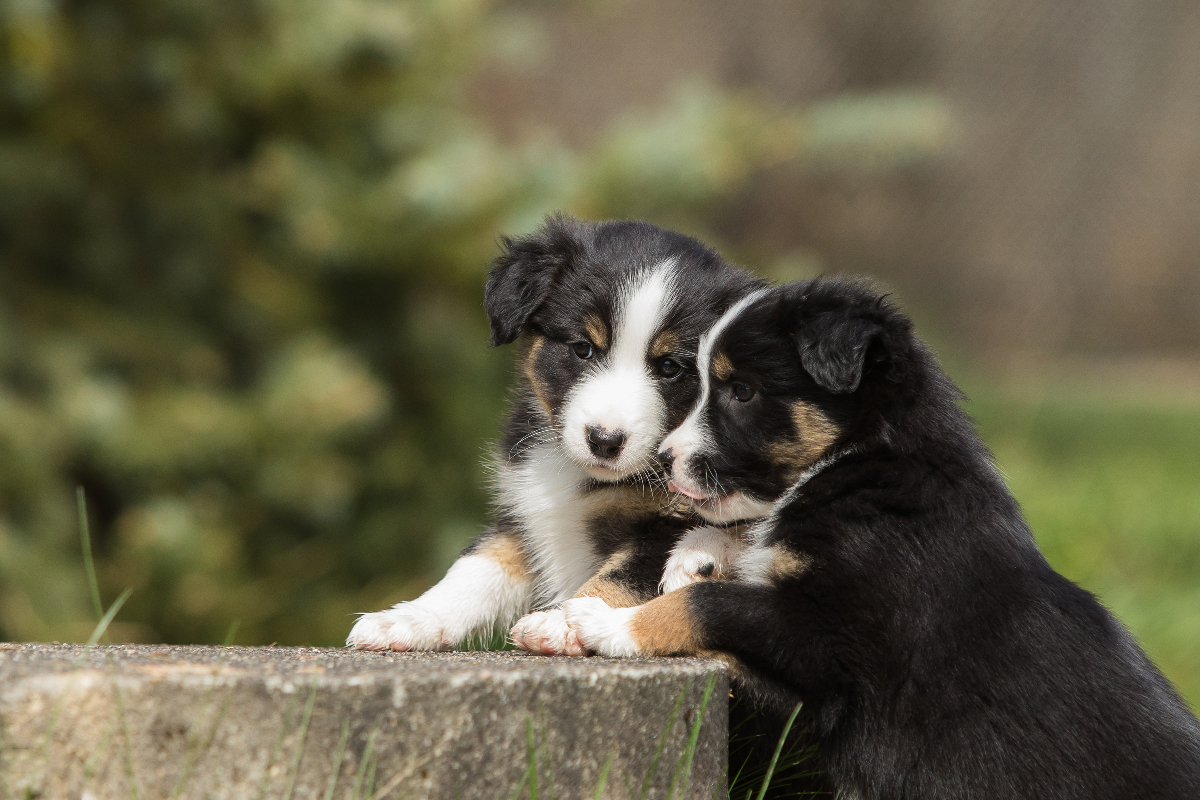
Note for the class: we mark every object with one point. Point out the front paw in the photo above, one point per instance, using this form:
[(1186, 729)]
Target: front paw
[(405, 626), (599, 628), (702, 554), (546, 632)]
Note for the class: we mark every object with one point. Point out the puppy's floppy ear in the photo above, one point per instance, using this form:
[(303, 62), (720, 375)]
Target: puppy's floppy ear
[(524, 273), (833, 342)]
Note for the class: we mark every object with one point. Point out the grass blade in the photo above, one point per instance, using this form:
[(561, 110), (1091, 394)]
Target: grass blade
[(533, 786), (662, 741), (337, 761), (108, 618), (85, 541), (308, 709), (684, 768), (778, 749), (600, 784), (231, 633)]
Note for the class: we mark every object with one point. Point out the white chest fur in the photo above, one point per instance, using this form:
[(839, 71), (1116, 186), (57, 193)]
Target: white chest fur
[(546, 493)]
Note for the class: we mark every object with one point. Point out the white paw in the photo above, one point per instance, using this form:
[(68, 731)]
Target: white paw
[(601, 629), (701, 554), (546, 632), (405, 626)]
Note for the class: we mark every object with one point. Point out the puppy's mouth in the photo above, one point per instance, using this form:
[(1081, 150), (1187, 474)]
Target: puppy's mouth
[(695, 494)]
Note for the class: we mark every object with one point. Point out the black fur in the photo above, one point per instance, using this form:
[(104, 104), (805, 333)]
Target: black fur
[(543, 287), (936, 652)]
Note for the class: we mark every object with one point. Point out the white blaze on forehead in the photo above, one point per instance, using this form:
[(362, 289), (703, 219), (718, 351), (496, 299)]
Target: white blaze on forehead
[(620, 394), (691, 435), (640, 317)]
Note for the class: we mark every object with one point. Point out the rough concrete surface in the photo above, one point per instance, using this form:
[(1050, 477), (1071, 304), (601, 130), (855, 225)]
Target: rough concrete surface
[(299, 722)]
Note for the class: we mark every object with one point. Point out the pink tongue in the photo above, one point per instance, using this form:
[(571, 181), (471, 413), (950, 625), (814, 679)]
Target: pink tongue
[(675, 487)]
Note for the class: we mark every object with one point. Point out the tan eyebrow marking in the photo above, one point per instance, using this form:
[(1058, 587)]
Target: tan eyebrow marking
[(722, 367), (666, 342), (594, 327)]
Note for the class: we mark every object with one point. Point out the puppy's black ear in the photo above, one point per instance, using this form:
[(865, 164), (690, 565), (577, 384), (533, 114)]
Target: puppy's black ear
[(833, 346), (524, 273)]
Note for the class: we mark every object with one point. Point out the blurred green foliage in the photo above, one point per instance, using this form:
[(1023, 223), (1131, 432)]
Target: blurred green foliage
[(242, 247)]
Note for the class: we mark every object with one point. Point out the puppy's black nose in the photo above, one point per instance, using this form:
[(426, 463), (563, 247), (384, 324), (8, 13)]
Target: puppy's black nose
[(605, 444), (666, 458)]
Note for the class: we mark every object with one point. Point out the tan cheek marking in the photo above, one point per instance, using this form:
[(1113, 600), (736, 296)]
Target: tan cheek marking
[(530, 369), (813, 434), (594, 327), (722, 367), (666, 342), (664, 626), (505, 550)]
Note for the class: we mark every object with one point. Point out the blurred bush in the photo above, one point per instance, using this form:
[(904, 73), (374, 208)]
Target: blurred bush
[(242, 245)]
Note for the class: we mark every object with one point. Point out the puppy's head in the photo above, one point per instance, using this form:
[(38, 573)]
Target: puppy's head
[(787, 375), (611, 314)]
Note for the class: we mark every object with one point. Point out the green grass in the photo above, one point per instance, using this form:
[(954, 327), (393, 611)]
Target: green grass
[(1111, 487)]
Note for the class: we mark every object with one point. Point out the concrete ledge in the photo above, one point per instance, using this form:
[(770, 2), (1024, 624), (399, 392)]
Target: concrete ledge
[(292, 723)]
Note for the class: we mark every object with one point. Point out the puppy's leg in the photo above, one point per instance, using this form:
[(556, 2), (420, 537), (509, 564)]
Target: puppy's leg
[(627, 578), (488, 586), (745, 620), (702, 553)]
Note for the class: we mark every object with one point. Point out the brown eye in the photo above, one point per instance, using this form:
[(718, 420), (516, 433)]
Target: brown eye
[(669, 368), (583, 349), (742, 392)]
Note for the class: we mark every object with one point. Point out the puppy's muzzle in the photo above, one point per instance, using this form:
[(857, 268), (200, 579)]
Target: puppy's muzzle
[(604, 443)]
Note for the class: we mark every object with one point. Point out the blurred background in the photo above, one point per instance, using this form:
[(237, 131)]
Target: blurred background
[(243, 243)]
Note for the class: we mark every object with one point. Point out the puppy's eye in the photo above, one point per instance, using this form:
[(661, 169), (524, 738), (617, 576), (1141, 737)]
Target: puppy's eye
[(742, 392), (583, 349), (669, 368)]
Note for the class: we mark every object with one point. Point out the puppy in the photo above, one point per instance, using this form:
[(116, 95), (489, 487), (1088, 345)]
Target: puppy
[(609, 315), (893, 586)]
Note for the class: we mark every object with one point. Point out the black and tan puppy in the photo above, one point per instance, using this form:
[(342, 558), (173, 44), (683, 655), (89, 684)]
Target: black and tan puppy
[(609, 315), (893, 585)]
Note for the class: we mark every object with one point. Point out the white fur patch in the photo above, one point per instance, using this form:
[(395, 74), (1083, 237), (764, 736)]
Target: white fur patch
[(546, 633), (475, 595), (620, 394), (545, 492), (601, 629), (698, 548), (755, 563)]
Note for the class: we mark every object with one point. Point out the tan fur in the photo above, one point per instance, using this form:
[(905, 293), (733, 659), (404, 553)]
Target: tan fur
[(597, 333), (539, 389), (611, 592), (813, 434), (505, 550), (664, 626), (722, 367), (737, 670), (665, 343), (601, 585), (786, 564), (625, 501)]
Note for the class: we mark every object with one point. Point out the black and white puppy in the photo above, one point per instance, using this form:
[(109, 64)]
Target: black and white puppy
[(894, 587), (610, 315)]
